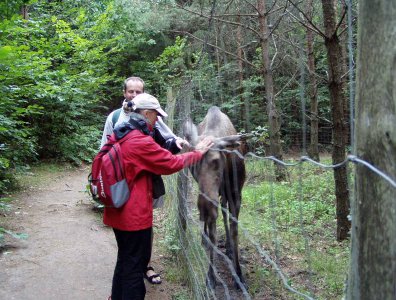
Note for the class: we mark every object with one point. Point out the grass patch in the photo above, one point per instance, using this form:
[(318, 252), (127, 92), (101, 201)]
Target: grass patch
[(295, 222), (38, 174), (182, 295)]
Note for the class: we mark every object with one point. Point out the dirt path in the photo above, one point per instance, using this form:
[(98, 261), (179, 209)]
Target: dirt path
[(68, 254)]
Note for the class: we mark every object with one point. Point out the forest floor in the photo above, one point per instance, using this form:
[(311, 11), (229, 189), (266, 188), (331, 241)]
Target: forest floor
[(68, 252)]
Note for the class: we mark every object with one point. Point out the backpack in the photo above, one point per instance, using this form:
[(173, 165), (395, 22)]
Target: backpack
[(108, 185), (116, 116)]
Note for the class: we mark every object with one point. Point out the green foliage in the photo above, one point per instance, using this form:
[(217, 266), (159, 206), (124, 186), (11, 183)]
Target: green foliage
[(19, 236), (4, 204), (169, 67), (171, 240), (181, 296), (10, 7), (85, 138), (170, 63), (64, 66), (53, 75), (258, 140), (3, 231)]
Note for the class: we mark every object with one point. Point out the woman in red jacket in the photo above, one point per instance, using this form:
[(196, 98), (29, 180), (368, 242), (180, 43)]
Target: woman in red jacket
[(132, 223)]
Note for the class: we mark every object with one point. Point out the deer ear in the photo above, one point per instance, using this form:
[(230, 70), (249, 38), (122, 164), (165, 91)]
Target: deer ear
[(190, 132), (231, 141)]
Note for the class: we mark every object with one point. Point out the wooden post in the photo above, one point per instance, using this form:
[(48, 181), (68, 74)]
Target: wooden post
[(170, 108), (373, 258), (182, 178)]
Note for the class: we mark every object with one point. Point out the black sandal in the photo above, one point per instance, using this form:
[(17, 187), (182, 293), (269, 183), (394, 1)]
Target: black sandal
[(150, 278)]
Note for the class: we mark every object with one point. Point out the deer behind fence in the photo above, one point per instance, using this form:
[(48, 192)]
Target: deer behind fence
[(220, 176)]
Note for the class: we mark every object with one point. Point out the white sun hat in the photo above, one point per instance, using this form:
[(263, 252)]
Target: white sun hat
[(147, 101)]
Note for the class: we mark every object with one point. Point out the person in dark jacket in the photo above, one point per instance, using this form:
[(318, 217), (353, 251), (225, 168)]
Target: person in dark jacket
[(132, 223), (163, 135)]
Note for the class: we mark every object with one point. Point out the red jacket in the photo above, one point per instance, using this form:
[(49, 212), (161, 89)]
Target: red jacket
[(143, 156)]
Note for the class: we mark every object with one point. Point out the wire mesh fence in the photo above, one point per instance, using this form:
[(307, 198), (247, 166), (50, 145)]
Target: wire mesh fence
[(287, 230), (287, 233)]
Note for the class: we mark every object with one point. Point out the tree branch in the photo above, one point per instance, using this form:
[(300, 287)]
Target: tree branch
[(276, 52), (286, 85), (216, 47), (340, 22), (313, 28), (220, 20)]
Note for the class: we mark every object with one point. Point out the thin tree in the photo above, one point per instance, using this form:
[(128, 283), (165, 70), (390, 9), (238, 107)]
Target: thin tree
[(373, 260), (257, 23), (239, 39), (335, 61), (313, 88), (24, 12), (343, 43), (272, 112), (337, 99)]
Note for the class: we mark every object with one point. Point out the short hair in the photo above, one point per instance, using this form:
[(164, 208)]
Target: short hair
[(133, 78)]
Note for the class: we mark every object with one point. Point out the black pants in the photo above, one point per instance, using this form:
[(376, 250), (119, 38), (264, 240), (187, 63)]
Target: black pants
[(134, 250)]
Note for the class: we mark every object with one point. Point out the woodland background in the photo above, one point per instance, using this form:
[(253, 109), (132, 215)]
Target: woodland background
[(283, 70), (63, 64)]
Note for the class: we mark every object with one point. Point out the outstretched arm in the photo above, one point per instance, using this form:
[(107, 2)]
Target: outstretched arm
[(149, 156), (166, 138)]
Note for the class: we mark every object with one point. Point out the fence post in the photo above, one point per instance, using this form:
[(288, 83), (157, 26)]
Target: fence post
[(170, 107), (182, 193), (182, 178)]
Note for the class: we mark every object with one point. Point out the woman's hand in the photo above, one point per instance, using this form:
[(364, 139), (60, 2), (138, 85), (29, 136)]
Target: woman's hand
[(204, 145), (180, 143)]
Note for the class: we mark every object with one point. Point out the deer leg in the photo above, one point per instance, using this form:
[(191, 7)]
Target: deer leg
[(234, 214), (211, 279), (227, 231), (204, 237)]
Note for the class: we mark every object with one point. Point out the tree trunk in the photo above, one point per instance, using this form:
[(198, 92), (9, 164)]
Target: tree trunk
[(273, 115), (313, 90), (343, 43), (24, 12), (244, 102), (334, 58), (217, 27), (182, 177), (373, 263), (224, 72), (170, 107)]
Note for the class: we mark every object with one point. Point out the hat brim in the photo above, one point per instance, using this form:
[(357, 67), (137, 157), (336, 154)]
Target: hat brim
[(161, 112)]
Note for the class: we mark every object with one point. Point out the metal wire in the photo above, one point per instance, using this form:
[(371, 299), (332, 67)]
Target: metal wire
[(204, 261)]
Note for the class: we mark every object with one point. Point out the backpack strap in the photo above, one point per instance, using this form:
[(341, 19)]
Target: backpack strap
[(116, 116)]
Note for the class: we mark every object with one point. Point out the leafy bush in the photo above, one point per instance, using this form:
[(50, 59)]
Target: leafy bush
[(258, 140), (53, 75), (80, 146)]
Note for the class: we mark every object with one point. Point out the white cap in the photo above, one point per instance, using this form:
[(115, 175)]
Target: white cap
[(147, 101)]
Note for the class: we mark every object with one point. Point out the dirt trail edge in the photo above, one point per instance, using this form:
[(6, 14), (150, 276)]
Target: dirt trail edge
[(69, 253)]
